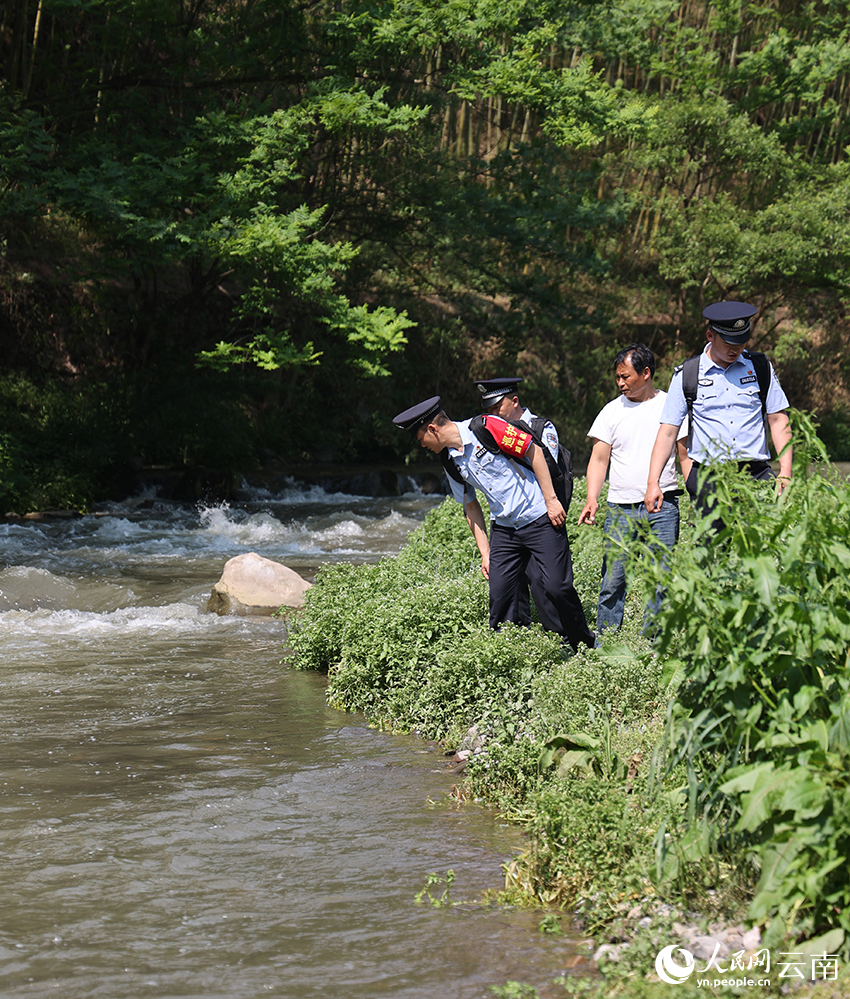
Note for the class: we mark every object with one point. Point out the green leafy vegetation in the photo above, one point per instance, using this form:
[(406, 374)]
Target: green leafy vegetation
[(437, 881), (702, 773), (759, 724)]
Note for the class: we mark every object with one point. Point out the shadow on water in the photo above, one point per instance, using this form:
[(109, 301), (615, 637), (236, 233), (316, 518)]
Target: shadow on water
[(184, 816)]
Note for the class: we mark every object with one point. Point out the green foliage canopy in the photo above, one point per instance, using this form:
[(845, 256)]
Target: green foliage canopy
[(337, 191)]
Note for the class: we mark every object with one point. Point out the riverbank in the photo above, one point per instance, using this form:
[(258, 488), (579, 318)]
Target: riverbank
[(620, 763)]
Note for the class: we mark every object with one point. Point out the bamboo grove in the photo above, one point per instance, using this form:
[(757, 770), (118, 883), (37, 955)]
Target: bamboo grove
[(309, 197)]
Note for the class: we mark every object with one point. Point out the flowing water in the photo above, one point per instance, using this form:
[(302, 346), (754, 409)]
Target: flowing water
[(182, 815)]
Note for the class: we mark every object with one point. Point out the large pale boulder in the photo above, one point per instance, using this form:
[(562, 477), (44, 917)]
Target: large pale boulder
[(251, 584)]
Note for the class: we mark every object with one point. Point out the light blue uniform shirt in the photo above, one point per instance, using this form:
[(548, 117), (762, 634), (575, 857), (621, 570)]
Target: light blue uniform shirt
[(515, 497), (728, 423)]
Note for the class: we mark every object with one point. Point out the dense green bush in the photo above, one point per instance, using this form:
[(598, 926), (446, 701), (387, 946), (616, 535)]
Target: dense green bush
[(508, 774), (758, 622), (407, 641), (624, 684), (590, 846), (390, 615)]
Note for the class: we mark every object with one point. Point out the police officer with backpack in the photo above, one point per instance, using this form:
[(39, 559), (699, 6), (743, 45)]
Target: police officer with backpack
[(506, 464), (734, 400), (499, 397)]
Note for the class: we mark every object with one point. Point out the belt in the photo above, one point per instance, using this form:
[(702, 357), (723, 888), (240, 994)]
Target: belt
[(512, 527), (753, 465), (669, 496)]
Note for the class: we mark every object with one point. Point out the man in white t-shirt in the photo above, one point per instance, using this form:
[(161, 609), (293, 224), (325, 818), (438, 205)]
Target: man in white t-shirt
[(623, 434)]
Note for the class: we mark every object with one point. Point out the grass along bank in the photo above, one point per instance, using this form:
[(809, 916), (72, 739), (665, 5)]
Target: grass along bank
[(699, 777)]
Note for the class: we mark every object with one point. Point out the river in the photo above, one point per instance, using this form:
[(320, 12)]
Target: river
[(182, 814)]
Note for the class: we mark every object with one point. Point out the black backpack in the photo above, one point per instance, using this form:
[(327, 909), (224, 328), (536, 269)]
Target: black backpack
[(690, 379), (561, 470)]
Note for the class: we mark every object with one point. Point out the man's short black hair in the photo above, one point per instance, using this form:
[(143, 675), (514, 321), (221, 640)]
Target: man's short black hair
[(639, 356)]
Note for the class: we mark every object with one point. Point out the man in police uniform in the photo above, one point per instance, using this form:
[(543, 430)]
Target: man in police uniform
[(528, 520), (499, 397), (727, 420)]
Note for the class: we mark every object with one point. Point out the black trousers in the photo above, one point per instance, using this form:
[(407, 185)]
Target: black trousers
[(524, 612), (511, 552), (704, 499)]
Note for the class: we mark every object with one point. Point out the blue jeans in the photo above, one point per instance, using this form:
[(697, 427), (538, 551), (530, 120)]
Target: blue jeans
[(621, 524)]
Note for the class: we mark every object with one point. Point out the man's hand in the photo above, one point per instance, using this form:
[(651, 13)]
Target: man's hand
[(782, 483), (557, 514), (653, 500), (485, 566), (588, 514)]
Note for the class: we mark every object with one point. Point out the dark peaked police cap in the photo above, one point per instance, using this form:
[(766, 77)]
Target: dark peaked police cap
[(492, 389), (730, 320), (415, 417)]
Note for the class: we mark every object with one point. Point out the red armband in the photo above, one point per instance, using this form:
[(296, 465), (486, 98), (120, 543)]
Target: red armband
[(511, 440)]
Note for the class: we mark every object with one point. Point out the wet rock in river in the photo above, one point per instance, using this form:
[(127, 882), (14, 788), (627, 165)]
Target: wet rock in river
[(251, 584)]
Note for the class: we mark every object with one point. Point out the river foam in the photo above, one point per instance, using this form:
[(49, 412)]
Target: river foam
[(149, 567)]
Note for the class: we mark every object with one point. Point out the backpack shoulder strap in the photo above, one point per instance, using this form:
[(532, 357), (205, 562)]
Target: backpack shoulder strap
[(690, 377), (761, 366), (537, 426), (450, 466), (690, 380), (485, 438)]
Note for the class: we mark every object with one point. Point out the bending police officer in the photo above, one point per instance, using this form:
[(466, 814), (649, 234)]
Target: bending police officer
[(499, 397), (528, 519)]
